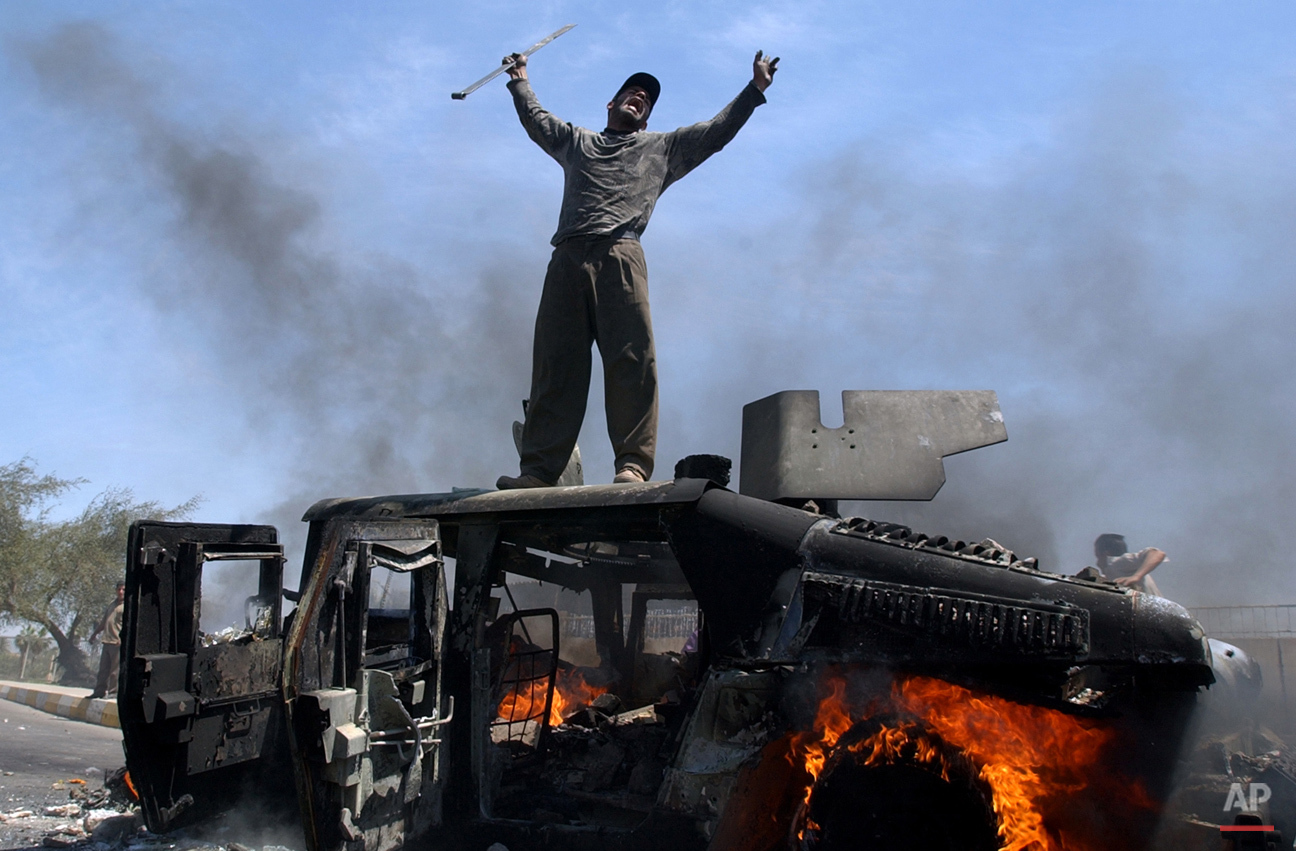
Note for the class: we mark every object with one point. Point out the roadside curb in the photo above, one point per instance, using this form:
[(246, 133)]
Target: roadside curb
[(102, 712)]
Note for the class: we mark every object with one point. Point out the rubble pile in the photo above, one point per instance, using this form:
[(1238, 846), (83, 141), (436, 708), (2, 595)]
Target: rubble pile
[(104, 819), (1228, 782), (599, 755)]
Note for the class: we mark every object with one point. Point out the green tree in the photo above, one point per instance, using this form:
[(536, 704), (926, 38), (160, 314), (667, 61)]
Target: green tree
[(29, 641), (60, 574)]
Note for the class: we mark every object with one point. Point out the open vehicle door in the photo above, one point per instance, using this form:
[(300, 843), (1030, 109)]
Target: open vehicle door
[(362, 680), (199, 699)]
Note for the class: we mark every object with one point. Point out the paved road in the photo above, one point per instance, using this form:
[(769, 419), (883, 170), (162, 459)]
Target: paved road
[(42, 750), (38, 750)]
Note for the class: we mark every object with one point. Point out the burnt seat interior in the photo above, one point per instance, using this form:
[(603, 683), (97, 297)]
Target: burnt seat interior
[(604, 763)]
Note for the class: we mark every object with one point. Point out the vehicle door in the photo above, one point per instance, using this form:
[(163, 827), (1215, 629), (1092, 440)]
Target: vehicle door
[(362, 678), (199, 700)]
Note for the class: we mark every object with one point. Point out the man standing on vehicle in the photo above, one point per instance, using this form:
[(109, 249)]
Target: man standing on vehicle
[(596, 287)]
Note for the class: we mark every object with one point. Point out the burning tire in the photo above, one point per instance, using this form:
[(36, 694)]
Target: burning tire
[(890, 784)]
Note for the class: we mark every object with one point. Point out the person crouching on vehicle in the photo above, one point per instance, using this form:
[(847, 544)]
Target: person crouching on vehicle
[(1125, 568)]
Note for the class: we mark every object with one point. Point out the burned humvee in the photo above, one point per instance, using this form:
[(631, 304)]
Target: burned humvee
[(819, 682)]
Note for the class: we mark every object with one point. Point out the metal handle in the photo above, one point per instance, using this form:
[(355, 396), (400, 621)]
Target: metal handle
[(507, 65)]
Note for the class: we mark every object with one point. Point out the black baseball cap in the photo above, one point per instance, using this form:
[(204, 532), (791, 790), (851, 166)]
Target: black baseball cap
[(645, 81)]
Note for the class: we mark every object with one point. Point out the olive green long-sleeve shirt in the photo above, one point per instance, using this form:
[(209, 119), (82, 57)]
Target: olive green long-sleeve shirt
[(613, 179), (111, 625)]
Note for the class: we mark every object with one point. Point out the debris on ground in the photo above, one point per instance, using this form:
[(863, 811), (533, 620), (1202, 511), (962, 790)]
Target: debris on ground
[(107, 818), (93, 819), (111, 826), (62, 838), (64, 810), (1252, 776)]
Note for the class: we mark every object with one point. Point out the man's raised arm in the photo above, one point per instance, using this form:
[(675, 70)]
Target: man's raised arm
[(547, 131), (690, 146)]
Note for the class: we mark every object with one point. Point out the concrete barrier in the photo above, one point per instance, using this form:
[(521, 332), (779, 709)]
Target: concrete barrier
[(62, 701)]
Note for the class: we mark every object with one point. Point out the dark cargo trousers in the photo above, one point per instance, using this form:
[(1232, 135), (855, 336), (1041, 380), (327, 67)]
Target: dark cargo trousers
[(595, 291), (109, 662)]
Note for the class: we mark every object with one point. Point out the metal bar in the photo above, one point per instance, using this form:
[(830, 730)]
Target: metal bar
[(257, 555), (401, 744), (525, 633), (1282, 681), (507, 65), (422, 723)]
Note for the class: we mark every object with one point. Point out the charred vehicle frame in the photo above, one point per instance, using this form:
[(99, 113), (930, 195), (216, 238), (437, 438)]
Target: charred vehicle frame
[(437, 717)]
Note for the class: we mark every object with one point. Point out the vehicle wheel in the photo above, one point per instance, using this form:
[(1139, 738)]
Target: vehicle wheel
[(912, 791)]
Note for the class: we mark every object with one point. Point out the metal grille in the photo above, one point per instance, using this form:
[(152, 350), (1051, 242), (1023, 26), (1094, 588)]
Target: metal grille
[(968, 620), (670, 623), (1247, 621), (659, 623), (525, 685)]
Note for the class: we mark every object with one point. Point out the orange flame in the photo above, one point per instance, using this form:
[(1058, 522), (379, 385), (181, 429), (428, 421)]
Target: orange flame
[(1025, 753), (523, 701), (891, 743), (571, 692)]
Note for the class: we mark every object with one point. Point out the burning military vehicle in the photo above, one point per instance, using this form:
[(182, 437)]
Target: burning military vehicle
[(838, 682)]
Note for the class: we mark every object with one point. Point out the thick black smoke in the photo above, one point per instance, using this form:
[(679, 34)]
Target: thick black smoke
[(1126, 287), (375, 376), (384, 373), (1124, 283)]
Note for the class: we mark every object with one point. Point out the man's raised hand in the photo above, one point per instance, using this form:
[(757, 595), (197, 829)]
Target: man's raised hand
[(763, 69), (518, 69)]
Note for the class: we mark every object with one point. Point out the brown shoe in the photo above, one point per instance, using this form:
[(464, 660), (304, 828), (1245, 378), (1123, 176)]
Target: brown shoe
[(628, 476), (526, 480)]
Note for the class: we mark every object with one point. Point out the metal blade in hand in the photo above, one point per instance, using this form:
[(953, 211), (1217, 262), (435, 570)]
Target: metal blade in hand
[(507, 65)]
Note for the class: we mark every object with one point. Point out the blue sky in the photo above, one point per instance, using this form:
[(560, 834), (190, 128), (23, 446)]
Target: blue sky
[(255, 252)]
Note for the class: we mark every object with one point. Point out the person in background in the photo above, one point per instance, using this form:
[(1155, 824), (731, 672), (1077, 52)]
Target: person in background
[(110, 628), (1125, 568)]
